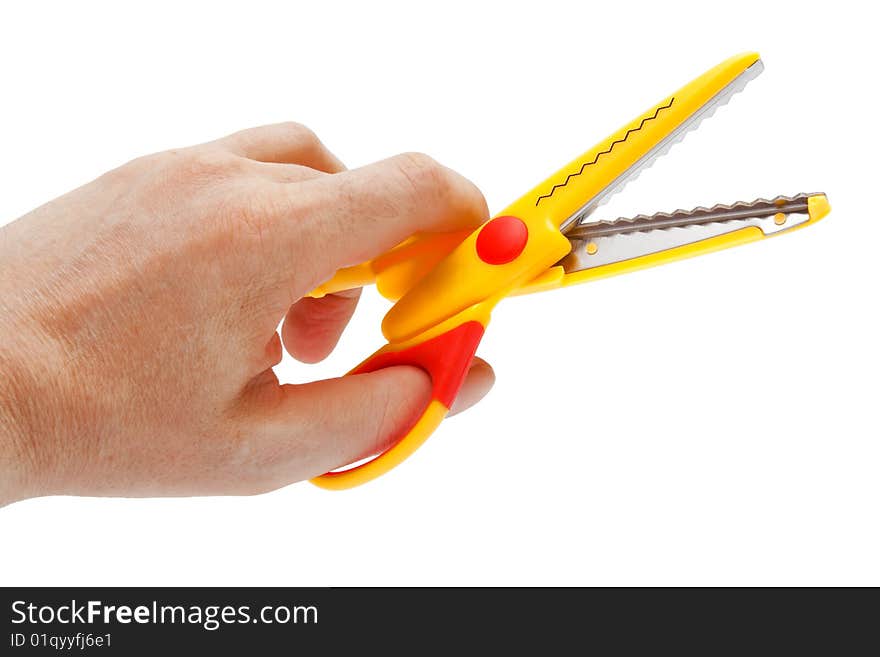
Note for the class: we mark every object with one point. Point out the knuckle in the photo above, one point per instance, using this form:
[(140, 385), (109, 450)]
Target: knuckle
[(201, 165), (300, 132), (426, 180), (207, 162), (422, 172), (385, 423)]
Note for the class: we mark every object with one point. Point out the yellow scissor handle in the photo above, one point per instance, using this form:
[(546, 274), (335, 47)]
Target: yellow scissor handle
[(398, 270), (445, 353), (439, 322)]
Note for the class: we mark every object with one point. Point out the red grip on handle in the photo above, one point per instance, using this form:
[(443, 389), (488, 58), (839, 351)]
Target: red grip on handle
[(446, 358)]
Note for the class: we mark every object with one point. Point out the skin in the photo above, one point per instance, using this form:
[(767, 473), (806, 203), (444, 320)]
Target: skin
[(138, 319)]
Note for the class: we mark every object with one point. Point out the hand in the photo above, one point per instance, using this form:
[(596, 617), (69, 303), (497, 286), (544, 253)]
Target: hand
[(138, 319)]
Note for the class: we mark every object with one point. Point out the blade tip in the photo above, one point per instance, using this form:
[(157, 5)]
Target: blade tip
[(818, 207)]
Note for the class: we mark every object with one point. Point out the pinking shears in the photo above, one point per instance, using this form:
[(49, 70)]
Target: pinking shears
[(446, 285)]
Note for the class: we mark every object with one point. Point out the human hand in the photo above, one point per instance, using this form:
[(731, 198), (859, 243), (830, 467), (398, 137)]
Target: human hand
[(138, 319)]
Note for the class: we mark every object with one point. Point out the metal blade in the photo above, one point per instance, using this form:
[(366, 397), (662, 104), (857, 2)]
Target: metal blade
[(605, 242), (663, 146)]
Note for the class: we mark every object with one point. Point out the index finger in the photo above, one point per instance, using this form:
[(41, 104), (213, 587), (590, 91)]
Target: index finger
[(351, 217)]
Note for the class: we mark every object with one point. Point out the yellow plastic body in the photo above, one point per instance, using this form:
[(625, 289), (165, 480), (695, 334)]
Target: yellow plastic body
[(442, 282), (462, 280), (426, 424), (395, 272)]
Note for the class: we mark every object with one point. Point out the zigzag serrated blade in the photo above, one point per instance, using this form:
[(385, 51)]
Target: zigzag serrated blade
[(698, 216), (601, 243), (693, 121)]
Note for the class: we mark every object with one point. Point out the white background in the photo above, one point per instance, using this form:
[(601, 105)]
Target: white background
[(713, 421)]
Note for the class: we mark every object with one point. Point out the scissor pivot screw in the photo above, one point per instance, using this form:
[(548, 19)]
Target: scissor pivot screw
[(592, 248), (779, 218), (502, 240)]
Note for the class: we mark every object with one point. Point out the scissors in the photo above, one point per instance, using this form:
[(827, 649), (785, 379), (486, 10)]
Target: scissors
[(446, 285)]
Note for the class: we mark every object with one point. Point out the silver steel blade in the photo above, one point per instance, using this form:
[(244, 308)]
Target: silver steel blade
[(605, 242), (691, 123)]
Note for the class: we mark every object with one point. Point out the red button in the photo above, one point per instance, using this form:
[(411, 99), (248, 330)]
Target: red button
[(501, 240)]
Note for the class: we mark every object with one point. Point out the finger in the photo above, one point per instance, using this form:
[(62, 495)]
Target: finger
[(351, 217), (312, 327), (477, 383), (317, 427), (313, 428), (290, 143)]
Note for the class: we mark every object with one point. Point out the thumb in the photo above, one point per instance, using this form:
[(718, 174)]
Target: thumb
[(313, 428), (357, 416), (300, 431)]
